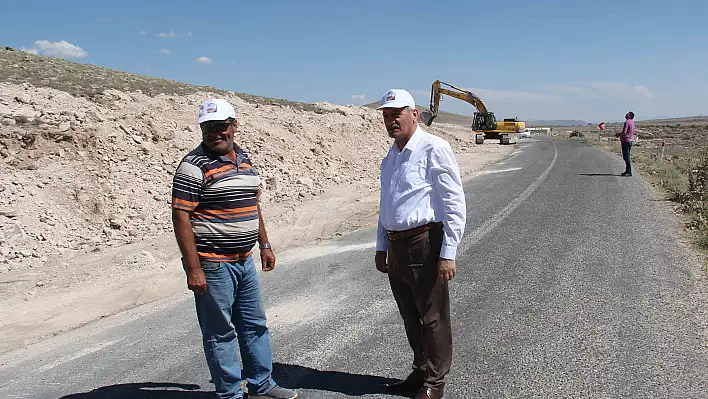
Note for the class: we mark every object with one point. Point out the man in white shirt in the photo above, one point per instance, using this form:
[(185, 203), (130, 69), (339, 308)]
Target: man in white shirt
[(421, 221)]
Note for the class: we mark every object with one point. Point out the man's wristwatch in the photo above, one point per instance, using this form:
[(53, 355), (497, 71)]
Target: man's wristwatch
[(264, 246)]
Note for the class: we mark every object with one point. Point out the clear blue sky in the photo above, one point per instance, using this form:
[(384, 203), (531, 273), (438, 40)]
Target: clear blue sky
[(590, 60)]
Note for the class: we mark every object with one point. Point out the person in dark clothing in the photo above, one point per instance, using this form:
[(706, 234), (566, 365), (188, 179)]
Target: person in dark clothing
[(626, 138)]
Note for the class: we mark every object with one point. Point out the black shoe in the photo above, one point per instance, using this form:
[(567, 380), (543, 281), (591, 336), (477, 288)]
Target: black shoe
[(627, 174), (413, 383), (430, 392), (276, 393)]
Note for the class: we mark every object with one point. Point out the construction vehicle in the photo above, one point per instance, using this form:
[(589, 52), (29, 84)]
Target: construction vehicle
[(484, 121)]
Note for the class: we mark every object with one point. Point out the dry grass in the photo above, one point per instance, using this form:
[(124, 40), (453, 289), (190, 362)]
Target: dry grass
[(86, 80), (686, 120), (81, 80), (679, 171)]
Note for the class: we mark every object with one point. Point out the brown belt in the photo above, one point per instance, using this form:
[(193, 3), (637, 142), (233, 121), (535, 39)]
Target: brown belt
[(398, 235)]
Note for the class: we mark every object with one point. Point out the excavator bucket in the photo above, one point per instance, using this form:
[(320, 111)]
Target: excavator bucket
[(426, 117)]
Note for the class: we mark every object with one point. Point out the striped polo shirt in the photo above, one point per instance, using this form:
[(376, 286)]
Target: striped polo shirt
[(222, 198)]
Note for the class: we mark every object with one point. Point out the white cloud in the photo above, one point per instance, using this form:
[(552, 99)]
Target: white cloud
[(594, 90), (644, 91), (419, 95), (142, 33), (62, 49), (564, 89), (591, 101), (503, 96), (164, 51), (621, 90), (29, 50), (495, 96), (173, 35), (358, 99), (204, 60), (168, 35)]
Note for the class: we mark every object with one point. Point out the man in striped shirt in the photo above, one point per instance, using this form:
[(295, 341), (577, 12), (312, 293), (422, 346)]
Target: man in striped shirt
[(217, 221)]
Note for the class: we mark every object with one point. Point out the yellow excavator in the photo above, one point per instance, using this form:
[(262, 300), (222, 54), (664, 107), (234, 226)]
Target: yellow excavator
[(484, 122)]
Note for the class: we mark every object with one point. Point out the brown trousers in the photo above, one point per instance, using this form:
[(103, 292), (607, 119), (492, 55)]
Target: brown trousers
[(423, 301)]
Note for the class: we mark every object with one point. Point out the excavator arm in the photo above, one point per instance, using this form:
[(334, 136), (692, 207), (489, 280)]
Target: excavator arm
[(483, 119)]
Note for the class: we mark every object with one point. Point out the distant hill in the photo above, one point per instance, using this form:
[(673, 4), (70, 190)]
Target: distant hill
[(466, 120), (86, 80), (558, 122), (688, 120), (443, 117)]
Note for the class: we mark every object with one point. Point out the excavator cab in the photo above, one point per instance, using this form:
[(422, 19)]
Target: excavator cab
[(484, 121)]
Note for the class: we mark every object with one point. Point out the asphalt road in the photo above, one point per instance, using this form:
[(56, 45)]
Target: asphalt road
[(571, 284)]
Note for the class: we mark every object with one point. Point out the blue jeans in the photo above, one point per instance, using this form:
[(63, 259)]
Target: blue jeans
[(626, 149), (232, 317)]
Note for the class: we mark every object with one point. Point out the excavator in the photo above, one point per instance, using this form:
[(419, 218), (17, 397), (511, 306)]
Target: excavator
[(484, 122)]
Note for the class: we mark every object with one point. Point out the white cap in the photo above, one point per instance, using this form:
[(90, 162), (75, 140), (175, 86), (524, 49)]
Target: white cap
[(215, 109), (397, 98)]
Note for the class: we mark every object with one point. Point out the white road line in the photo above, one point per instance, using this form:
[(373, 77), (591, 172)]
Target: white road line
[(476, 235), (74, 356), (486, 172), (304, 253)]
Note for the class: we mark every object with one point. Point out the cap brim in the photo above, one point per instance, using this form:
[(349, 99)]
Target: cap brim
[(212, 117), (394, 104)]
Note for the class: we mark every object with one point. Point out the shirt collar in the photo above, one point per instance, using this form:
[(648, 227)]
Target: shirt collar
[(223, 158), (412, 142)]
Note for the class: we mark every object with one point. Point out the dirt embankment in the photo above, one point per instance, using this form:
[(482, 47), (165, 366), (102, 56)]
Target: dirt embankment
[(85, 185)]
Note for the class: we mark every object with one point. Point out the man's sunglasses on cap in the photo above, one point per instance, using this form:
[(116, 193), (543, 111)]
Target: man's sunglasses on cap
[(215, 127)]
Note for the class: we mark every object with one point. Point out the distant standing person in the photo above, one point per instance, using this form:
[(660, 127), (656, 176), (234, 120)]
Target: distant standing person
[(421, 221), (626, 138), (217, 220)]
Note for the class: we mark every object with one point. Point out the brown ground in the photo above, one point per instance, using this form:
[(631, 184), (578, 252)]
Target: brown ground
[(85, 230)]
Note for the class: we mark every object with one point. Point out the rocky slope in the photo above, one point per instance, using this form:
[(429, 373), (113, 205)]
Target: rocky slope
[(87, 156), (79, 174)]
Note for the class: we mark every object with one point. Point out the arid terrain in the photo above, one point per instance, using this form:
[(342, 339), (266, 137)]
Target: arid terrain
[(672, 155), (87, 158), (675, 135)]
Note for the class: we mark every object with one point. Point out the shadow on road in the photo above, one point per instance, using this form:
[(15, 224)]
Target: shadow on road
[(145, 390), (600, 174), (299, 377), (287, 375)]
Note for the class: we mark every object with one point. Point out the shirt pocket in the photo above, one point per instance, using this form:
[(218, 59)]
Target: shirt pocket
[(209, 266), (419, 250), (416, 171)]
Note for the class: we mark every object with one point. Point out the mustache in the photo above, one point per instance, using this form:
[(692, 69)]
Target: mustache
[(394, 126)]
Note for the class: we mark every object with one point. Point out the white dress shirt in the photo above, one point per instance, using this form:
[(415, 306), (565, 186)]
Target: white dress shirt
[(419, 185)]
